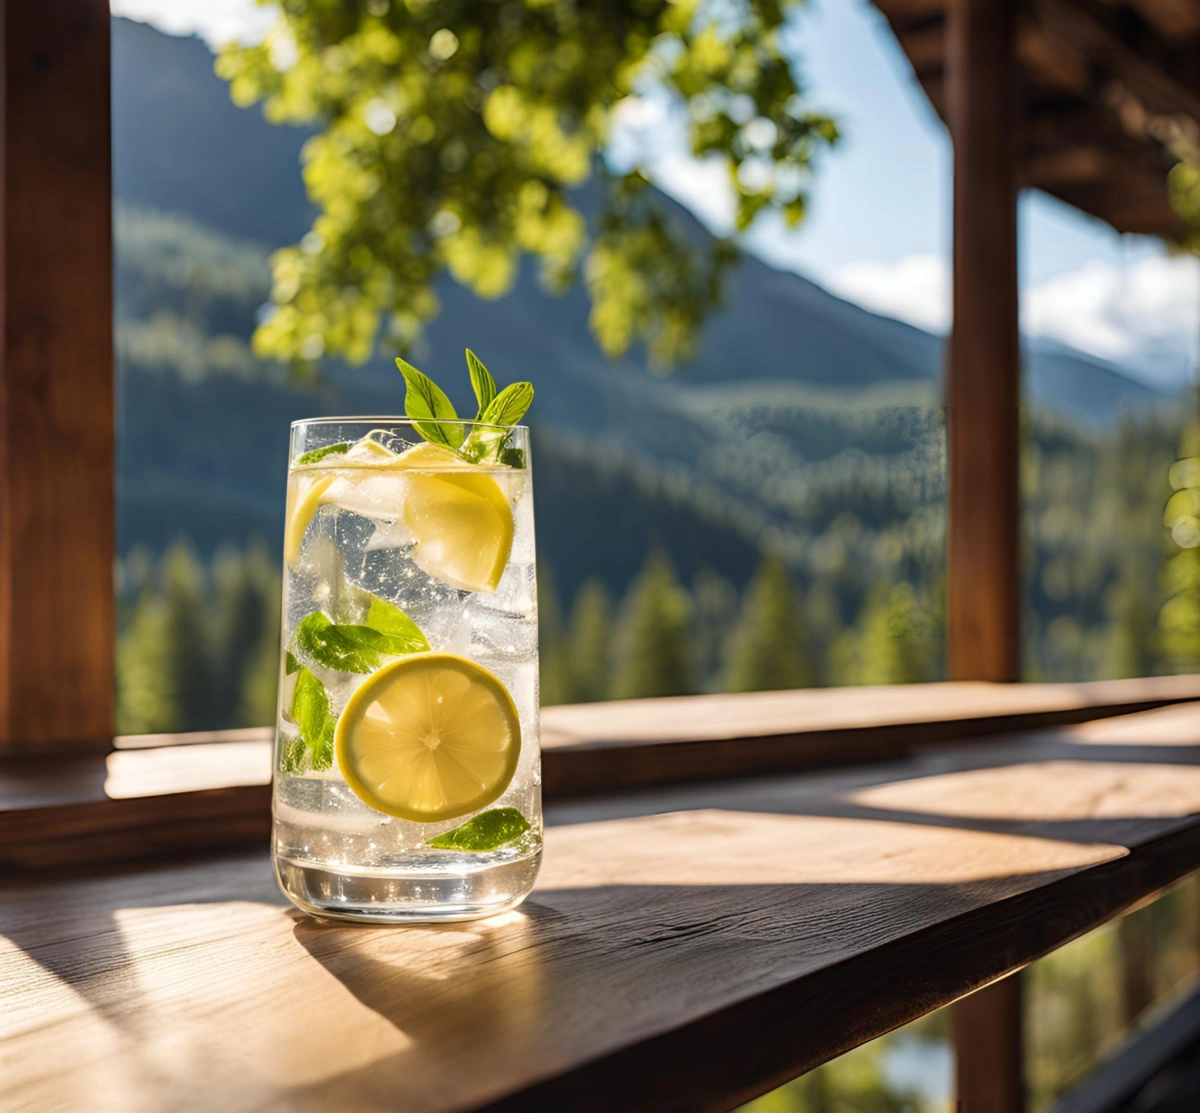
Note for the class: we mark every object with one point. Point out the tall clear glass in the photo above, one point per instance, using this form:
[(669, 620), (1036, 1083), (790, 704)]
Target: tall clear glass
[(407, 780)]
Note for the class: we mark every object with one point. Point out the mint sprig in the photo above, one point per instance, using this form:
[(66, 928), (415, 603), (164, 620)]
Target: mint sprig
[(315, 721), (425, 400), (481, 382), (489, 830)]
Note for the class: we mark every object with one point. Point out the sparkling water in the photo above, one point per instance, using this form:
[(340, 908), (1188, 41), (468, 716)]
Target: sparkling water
[(335, 854)]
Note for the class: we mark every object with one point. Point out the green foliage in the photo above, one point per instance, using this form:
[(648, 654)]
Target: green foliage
[(853, 1083), (197, 650), (554, 666), (900, 637), (714, 622), (590, 653), (768, 647), (452, 134), (652, 657)]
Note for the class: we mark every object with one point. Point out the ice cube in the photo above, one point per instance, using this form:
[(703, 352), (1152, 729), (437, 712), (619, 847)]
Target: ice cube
[(378, 497)]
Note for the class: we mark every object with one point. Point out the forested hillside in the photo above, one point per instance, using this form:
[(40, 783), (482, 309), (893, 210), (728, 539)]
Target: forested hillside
[(771, 515)]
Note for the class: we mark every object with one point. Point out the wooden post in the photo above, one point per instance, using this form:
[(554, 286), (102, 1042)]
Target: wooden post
[(982, 419), (56, 378), (982, 369)]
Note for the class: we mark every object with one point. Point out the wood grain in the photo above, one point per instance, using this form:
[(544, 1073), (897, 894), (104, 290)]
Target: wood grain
[(678, 961), (165, 793), (57, 629)]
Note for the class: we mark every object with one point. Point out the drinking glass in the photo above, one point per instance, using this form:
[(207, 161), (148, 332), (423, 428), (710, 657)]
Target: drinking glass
[(407, 782)]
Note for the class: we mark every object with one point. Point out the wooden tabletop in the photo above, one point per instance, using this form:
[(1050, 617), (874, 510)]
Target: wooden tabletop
[(685, 949)]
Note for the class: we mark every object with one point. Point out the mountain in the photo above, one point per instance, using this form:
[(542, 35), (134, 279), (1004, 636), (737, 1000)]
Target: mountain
[(181, 146), (805, 419)]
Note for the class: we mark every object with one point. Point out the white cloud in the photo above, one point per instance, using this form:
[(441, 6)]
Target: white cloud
[(215, 21), (915, 289), (1144, 317)]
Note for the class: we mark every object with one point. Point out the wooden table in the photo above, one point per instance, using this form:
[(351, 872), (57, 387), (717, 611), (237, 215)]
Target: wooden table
[(685, 949)]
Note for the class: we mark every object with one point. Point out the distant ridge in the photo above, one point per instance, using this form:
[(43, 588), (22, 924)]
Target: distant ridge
[(180, 145)]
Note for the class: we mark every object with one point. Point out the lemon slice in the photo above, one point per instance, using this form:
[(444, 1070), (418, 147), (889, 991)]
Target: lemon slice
[(429, 737), (461, 522), (304, 500)]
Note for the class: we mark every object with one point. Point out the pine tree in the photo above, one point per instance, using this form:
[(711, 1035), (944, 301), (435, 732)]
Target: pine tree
[(768, 649), (1131, 642), (898, 643), (652, 657), (245, 627), (189, 676), (145, 700), (714, 616), (554, 665), (590, 644)]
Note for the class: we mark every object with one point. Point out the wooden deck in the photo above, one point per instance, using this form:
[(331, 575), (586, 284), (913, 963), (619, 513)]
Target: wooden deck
[(685, 948)]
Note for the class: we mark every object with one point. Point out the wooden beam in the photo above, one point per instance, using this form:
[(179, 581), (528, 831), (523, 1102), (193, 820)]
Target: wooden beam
[(56, 378), (982, 417), (1125, 47)]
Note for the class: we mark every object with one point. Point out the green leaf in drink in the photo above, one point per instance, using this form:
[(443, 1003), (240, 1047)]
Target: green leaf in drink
[(424, 399), (313, 718), (319, 454), (481, 382), (319, 640), (389, 630), (487, 831), (290, 664), (357, 647)]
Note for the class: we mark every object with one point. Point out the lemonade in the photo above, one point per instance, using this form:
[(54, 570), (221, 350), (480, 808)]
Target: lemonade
[(407, 765)]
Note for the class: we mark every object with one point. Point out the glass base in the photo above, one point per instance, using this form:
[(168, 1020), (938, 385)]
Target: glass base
[(398, 896)]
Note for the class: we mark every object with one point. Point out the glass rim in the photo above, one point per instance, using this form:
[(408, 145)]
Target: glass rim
[(409, 421)]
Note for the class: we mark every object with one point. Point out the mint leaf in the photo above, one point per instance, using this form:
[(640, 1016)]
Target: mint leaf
[(425, 399), (487, 831), (481, 382), (294, 757), (310, 712), (510, 405), (320, 453), (512, 457), (319, 640), (387, 629), (290, 664)]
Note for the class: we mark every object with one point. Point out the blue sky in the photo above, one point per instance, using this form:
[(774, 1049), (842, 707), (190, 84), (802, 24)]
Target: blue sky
[(878, 231)]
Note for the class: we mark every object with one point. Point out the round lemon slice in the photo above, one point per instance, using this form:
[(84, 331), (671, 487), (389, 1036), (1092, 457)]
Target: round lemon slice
[(429, 737), (303, 502), (459, 518)]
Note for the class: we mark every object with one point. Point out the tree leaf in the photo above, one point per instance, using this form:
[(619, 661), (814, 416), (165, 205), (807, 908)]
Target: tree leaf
[(319, 640), (425, 399), (510, 405), (487, 831), (318, 454), (481, 382)]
